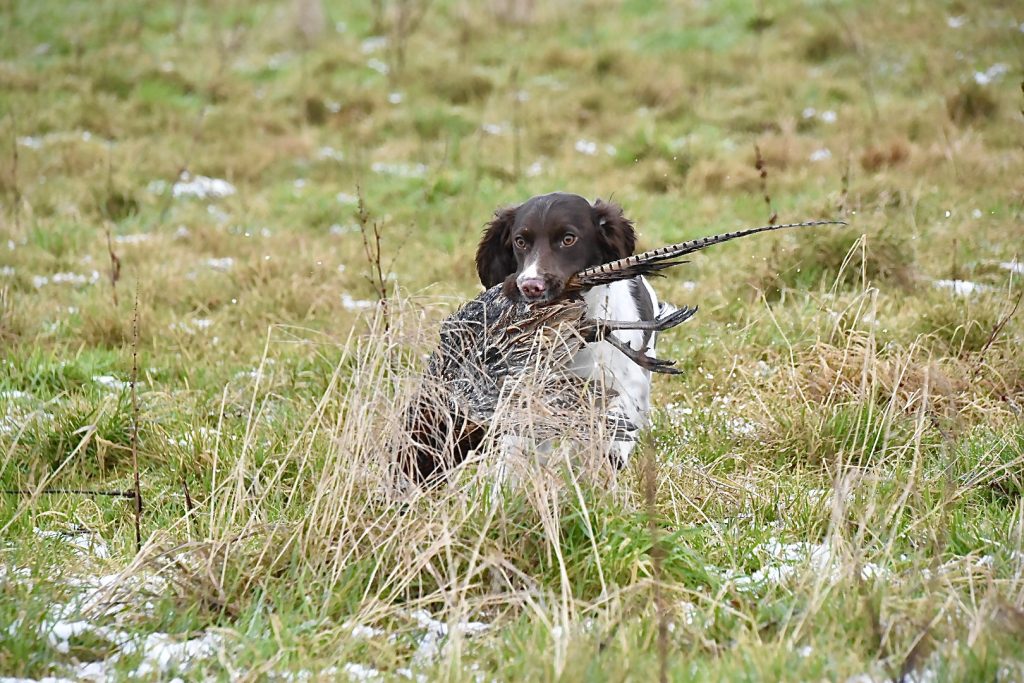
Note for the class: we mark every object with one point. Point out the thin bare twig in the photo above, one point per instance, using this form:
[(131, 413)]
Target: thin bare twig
[(189, 505), (1000, 324), (135, 423), (368, 229), (762, 170)]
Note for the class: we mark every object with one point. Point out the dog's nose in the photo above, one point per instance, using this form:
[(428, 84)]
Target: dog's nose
[(533, 288)]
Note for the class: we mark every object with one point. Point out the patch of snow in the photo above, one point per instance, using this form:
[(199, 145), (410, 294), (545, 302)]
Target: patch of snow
[(783, 561), (39, 141), (84, 542), (872, 571), (822, 154), (399, 170), (395, 98), (378, 66), (14, 395), (436, 631), (961, 287), (359, 672), (1014, 266), (373, 44), (828, 116), (350, 304), (222, 264), (109, 382), (740, 426), (136, 238), (329, 153), (192, 326), (199, 187), (360, 631), (160, 652), (588, 147), (991, 74), (39, 281), (956, 22)]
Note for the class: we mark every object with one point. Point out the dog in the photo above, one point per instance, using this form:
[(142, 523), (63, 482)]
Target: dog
[(534, 248)]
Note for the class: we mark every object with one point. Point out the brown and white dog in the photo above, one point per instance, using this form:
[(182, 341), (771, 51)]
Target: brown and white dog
[(534, 248)]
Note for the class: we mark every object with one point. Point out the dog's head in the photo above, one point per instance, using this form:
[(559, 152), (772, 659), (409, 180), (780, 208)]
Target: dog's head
[(534, 248)]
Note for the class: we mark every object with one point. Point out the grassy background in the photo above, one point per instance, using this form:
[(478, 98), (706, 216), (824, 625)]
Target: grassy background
[(839, 469)]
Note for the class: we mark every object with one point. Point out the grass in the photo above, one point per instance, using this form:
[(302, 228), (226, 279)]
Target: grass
[(838, 469)]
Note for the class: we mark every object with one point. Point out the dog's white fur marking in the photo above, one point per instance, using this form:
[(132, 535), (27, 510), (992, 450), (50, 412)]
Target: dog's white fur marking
[(602, 362), (530, 271)]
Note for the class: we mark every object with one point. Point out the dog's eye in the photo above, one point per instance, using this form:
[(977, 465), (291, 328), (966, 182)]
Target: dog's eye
[(520, 242), (568, 240)]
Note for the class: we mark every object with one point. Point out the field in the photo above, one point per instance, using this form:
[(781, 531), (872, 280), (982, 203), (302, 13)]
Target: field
[(832, 490)]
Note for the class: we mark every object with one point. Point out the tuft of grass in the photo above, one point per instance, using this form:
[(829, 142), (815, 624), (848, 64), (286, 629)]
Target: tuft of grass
[(971, 104)]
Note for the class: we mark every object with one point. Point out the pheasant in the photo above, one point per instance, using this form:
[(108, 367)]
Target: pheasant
[(494, 348)]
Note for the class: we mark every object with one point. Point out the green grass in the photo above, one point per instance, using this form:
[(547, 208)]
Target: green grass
[(839, 467)]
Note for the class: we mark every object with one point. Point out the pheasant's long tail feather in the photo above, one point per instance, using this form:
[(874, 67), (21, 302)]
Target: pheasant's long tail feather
[(665, 257)]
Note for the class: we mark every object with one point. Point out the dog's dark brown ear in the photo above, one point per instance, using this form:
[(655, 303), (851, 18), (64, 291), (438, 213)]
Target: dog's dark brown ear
[(495, 260), (615, 232)]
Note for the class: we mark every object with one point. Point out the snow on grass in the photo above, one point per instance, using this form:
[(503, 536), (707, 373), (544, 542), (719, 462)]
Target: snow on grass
[(351, 304), (590, 148), (108, 597), (435, 632), (784, 561), (822, 154), (192, 326), (137, 238), (991, 74), (109, 382), (78, 279), (40, 141), (327, 153), (378, 65), (82, 540), (399, 170), (198, 187), (961, 287), (1015, 267), (222, 264)]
